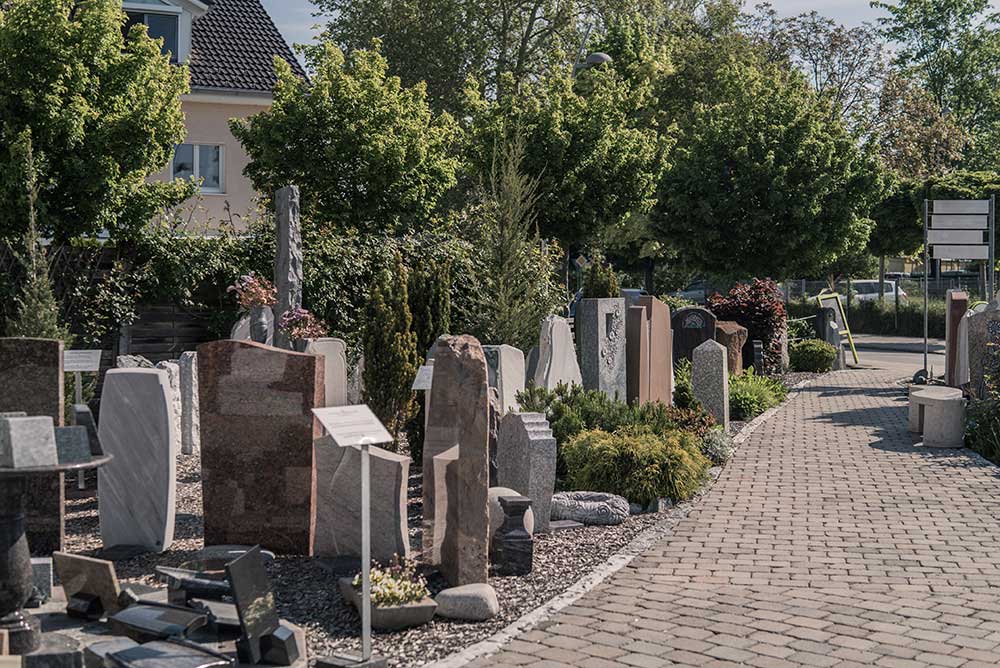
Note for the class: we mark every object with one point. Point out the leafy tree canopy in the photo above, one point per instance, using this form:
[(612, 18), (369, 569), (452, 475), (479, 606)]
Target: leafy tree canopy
[(367, 152), (103, 113)]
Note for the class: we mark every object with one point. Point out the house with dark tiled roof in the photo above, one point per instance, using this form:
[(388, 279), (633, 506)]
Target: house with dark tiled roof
[(229, 47)]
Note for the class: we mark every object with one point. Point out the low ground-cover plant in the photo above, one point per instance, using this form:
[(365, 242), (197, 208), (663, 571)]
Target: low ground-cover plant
[(750, 395), (683, 390), (812, 355), (395, 584), (636, 463), (982, 432), (718, 446)]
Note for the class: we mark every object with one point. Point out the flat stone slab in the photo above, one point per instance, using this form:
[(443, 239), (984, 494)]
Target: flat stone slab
[(137, 490), (27, 442), (590, 508)]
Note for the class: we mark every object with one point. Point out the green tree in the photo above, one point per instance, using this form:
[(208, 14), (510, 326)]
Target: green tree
[(443, 42), (430, 300), (953, 49), (517, 284), (37, 312), (596, 161), (601, 281), (391, 356), (367, 153), (763, 182), (104, 114)]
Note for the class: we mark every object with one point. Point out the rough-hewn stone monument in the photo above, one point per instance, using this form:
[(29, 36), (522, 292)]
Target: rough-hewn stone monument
[(557, 361), (600, 336), (734, 337)]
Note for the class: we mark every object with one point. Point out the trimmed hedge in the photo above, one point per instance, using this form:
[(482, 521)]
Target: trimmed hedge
[(812, 355), (873, 318)]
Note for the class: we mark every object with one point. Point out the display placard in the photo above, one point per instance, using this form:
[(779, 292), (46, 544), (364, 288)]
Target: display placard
[(424, 379), (81, 360), (352, 425)]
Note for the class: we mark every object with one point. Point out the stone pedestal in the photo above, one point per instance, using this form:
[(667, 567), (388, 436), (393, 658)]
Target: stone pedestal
[(710, 380), (526, 461), (513, 546), (337, 490), (557, 361), (733, 336), (257, 433), (137, 491), (287, 258), (600, 336), (693, 325), (33, 382), (456, 462)]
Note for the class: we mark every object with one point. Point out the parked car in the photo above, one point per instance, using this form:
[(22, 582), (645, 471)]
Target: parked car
[(697, 292), (867, 291)]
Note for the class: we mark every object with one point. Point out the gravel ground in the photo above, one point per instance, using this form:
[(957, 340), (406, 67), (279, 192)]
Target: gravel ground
[(307, 592)]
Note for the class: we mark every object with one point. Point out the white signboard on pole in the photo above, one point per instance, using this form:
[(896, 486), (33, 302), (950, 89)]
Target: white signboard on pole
[(81, 360)]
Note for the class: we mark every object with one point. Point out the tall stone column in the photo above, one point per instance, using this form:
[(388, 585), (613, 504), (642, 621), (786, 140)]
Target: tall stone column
[(287, 258)]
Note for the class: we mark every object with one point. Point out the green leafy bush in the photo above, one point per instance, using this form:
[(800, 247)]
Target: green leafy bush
[(750, 395), (675, 302), (683, 390), (718, 446), (982, 432), (601, 281), (801, 328), (812, 355), (637, 464)]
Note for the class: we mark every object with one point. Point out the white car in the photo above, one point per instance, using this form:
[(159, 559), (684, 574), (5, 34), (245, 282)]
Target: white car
[(867, 291)]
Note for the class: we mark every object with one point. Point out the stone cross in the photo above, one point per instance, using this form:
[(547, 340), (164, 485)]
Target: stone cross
[(526, 461), (710, 380), (287, 258)]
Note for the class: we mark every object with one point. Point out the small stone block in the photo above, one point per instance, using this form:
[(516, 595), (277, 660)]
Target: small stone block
[(72, 445), (41, 573), (564, 525), (280, 648), (95, 653), (57, 651), (345, 661), (27, 442)]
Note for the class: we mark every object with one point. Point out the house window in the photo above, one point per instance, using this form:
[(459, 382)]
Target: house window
[(159, 26), (201, 161)]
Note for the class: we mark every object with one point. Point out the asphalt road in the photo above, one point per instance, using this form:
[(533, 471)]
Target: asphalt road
[(903, 356)]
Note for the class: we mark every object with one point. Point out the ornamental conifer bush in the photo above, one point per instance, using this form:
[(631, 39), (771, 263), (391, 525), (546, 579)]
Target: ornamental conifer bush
[(601, 281), (391, 356)]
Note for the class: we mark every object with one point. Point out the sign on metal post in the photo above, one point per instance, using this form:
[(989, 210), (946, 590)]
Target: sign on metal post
[(358, 426), (77, 362), (840, 316), (958, 230)]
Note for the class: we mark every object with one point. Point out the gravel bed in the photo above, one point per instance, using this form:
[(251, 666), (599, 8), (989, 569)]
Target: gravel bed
[(306, 588)]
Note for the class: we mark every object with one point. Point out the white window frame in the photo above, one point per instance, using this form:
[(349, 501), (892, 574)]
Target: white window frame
[(196, 166), (184, 19)]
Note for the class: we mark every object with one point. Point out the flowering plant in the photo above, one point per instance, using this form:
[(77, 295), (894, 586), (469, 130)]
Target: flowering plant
[(252, 290), (300, 324), (396, 584)]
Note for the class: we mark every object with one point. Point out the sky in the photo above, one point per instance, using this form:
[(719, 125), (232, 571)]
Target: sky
[(295, 19)]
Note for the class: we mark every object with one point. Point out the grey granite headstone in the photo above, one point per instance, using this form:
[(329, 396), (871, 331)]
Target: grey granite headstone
[(557, 361), (600, 336), (526, 461), (287, 258), (137, 489), (984, 331), (83, 417), (710, 380), (190, 412), (173, 370), (241, 330), (337, 512), (506, 373), (531, 364), (334, 352), (27, 442), (73, 445)]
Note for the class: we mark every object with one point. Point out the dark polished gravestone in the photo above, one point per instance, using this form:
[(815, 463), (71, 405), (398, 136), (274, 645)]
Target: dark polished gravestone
[(257, 432), (32, 373), (264, 637), (693, 325)]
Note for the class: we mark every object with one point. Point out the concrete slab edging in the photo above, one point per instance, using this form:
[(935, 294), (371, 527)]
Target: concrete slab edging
[(614, 563)]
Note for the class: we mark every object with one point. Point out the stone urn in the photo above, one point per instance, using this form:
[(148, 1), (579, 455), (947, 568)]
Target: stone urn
[(393, 617), (259, 323)]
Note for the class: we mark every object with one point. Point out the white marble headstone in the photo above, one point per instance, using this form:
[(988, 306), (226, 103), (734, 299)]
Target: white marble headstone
[(557, 361), (173, 370), (334, 352), (137, 489)]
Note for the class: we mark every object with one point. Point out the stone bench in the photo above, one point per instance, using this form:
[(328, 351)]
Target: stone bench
[(939, 414)]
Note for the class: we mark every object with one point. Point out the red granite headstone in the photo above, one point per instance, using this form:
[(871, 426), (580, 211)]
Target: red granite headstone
[(957, 305), (650, 352), (32, 381), (257, 431)]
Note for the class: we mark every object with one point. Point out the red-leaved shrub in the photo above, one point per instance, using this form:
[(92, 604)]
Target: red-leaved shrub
[(760, 307)]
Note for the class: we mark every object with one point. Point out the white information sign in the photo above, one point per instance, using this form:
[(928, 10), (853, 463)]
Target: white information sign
[(81, 360), (425, 376), (352, 425)]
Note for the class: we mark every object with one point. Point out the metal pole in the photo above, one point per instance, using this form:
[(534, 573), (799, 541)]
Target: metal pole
[(927, 277), (81, 477), (993, 252), (366, 557)]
